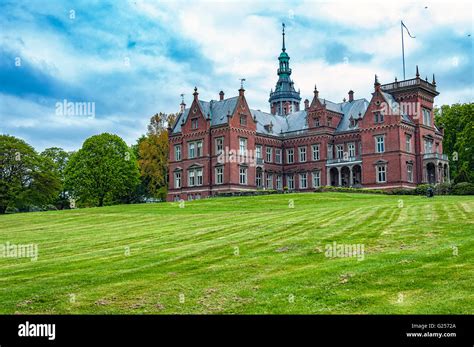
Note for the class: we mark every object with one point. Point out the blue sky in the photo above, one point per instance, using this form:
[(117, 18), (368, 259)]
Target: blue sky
[(134, 58)]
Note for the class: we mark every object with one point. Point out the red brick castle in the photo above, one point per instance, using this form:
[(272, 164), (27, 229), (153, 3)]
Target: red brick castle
[(388, 142)]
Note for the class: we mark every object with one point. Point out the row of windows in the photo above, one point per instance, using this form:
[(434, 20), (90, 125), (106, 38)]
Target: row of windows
[(195, 122), (381, 173), (426, 114), (195, 177), (195, 150)]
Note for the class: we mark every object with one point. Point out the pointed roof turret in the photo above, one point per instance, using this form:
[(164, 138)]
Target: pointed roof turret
[(284, 89), (283, 35)]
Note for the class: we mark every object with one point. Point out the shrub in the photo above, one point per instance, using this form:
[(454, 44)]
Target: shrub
[(463, 188), (443, 189), (11, 210), (33, 208), (401, 191), (49, 207), (422, 189)]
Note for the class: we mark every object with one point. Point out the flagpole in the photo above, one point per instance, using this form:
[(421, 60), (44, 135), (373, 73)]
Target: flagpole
[(403, 50)]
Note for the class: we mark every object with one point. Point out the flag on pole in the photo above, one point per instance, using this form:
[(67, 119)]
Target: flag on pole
[(408, 31), (402, 25)]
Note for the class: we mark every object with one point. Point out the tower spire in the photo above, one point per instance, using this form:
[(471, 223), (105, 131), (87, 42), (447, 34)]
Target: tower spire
[(283, 35)]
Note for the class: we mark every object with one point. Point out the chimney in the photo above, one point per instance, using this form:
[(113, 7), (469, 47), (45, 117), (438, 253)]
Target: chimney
[(221, 95), (376, 83), (306, 104), (195, 94), (182, 105), (241, 91), (351, 95)]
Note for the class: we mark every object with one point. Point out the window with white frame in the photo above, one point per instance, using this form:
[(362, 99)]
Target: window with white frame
[(408, 143), (380, 144), (199, 179), (316, 179), (242, 175), (290, 182), (428, 146), (259, 178), (194, 149), (269, 180), (426, 117), (177, 152), (302, 154), (219, 145), (242, 146), (378, 117), (191, 178), (278, 155), (303, 180), (409, 172), (191, 150), (258, 151), (290, 153), (219, 175), (243, 119), (199, 148), (177, 179), (352, 150), (315, 151), (381, 173), (279, 182), (330, 151), (339, 151), (269, 152)]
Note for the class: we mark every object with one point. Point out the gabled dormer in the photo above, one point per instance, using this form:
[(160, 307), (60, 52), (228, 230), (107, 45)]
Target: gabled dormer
[(241, 117), (322, 113), (316, 111), (383, 109), (195, 119)]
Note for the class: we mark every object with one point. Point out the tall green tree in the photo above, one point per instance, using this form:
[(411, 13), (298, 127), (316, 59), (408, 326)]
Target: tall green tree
[(26, 178), (103, 171), (59, 157), (153, 155), (458, 123)]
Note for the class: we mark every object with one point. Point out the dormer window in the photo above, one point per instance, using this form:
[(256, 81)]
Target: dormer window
[(352, 122), (194, 123), (243, 119)]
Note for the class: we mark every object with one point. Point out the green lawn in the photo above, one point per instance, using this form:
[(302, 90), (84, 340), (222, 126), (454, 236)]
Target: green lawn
[(245, 255)]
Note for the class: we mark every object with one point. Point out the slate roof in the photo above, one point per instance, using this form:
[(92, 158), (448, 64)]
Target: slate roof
[(217, 110), (293, 122)]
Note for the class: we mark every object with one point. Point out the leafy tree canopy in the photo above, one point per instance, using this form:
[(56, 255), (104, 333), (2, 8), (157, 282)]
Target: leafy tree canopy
[(458, 123), (104, 170), (26, 178)]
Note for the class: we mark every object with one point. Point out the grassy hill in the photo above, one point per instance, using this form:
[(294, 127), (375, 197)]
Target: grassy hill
[(245, 255)]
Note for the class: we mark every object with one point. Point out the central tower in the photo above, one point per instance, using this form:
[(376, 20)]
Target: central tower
[(285, 99)]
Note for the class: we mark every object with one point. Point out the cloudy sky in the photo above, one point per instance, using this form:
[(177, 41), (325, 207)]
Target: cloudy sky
[(131, 59)]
